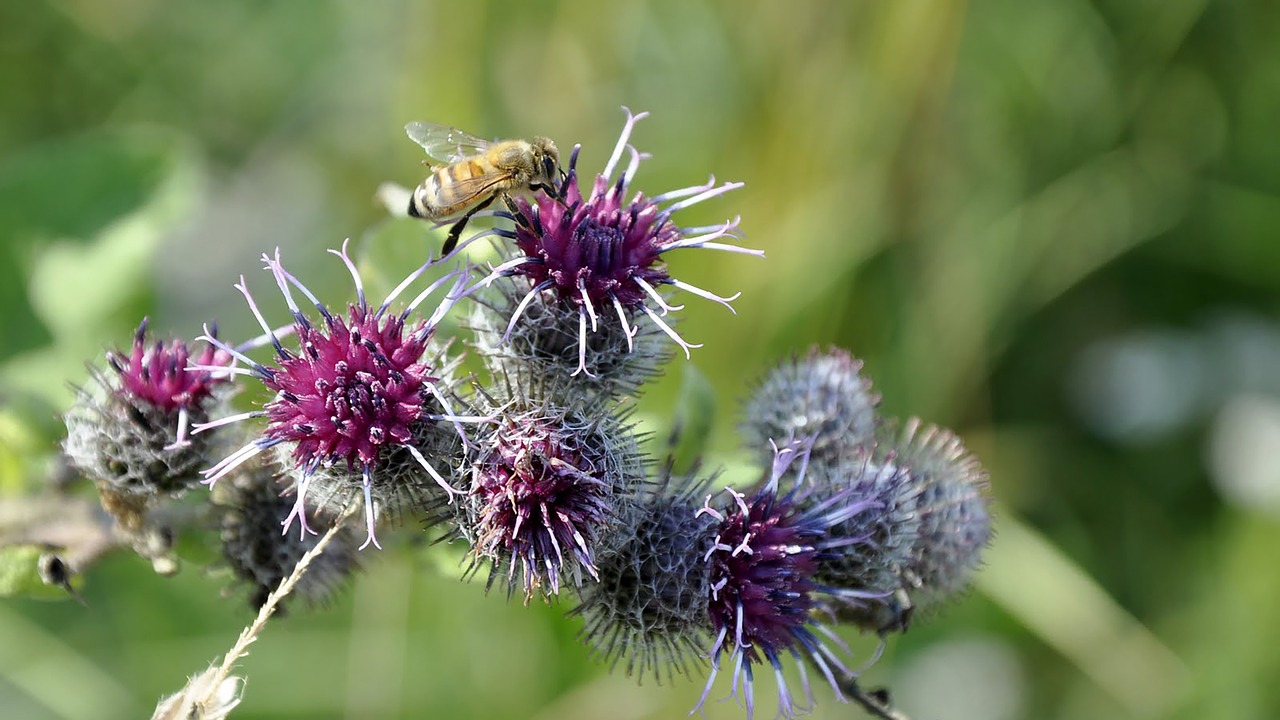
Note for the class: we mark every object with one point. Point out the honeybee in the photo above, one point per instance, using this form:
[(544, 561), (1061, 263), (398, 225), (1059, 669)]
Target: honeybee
[(475, 171)]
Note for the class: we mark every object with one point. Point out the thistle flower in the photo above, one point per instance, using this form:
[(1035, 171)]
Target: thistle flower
[(549, 482), (401, 483), (764, 563), (597, 255), (822, 396), (252, 510), (130, 433), (352, 393), (737, 580)]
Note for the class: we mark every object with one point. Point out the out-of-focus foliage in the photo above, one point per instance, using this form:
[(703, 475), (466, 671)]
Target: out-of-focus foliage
[(1052, 226)]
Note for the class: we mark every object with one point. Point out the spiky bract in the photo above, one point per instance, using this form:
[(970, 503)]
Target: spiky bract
[(648, 612), (253, 509)]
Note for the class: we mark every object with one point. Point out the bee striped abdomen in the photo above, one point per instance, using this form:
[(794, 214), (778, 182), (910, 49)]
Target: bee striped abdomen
[(449, 189)]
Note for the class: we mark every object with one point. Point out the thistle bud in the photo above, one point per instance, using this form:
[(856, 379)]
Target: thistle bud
[(822, 396), (253, 510)]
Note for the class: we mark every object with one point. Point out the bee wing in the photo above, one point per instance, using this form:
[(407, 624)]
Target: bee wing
[(444, 143), (468, 191)]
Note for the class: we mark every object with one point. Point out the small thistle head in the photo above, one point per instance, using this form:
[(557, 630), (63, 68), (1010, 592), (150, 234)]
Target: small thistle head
[(356, 390), (599, 255), (129, 431), (954, 509), (549, 483), (821, 396), (648, 612), (252, 511)]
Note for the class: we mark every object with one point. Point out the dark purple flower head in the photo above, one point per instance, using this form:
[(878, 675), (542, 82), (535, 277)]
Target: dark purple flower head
[(353, 390), (159, 374), (539, 505), (602, 253), (547, 484), (764, 588)]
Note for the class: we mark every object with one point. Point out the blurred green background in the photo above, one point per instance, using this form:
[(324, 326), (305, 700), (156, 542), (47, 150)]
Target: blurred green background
[(1050, 225)]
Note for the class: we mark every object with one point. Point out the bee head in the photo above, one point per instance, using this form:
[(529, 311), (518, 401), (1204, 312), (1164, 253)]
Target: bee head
[(547, 156)]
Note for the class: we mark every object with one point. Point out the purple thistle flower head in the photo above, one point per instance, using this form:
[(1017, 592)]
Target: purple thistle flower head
[(356, 387), (129, 431), (352, 392), (159, 375), (548, 483), (764, 564), (601, 253)]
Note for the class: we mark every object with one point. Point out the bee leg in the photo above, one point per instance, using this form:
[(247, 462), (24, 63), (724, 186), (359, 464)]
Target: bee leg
[(550, 190), (516, 215), (451, 242), (529, 221)]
